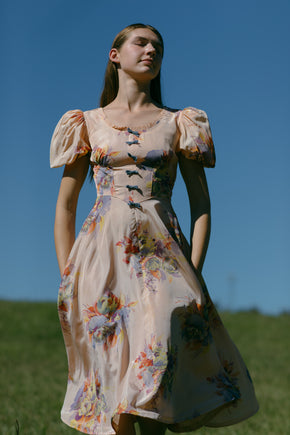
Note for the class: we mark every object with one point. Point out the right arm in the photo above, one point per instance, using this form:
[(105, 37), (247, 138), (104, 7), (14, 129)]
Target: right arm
[(196, 184), (64, 228)]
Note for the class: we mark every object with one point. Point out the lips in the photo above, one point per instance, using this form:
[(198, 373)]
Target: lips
[(147, 61)]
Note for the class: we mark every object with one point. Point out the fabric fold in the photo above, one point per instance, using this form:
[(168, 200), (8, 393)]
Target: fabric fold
[(195, 141), (69, 140)]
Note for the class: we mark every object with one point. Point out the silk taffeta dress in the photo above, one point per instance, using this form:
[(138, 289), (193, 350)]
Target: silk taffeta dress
[(141, 332)]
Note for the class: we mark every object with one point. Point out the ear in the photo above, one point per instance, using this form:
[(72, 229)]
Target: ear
[(114, 55)]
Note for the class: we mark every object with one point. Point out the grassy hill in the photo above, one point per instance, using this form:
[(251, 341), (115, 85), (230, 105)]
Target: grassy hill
[(33, 370)]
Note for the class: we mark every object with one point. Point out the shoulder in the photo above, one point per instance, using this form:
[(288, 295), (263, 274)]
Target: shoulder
[(69, 139), (92, 111), (77, 118), (189, 112), (92, 115), (79, 114), (69, 120), (73, 114), (170, 109), (195, 140), (193, 112), (191, 117)]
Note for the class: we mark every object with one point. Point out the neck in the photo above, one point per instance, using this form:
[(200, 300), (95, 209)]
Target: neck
[(132, 94)]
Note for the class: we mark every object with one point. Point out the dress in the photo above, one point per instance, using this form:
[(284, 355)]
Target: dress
[(141, 332)]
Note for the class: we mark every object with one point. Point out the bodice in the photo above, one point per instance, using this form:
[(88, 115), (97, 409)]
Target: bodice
[(137, 164), (131, 164)]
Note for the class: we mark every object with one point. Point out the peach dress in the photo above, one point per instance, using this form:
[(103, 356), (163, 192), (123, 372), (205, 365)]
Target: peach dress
[(141, 332)]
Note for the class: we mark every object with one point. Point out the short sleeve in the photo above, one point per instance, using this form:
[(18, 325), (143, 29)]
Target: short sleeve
[(195, 140), (69, 140)]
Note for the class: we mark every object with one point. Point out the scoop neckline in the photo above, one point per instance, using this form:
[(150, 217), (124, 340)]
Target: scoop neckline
[(139, 128)]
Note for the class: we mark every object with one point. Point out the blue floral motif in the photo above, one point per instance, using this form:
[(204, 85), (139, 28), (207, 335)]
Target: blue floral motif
[(104, 179), (89, 405), (162, 182), (151, 364), (155, 257), (96, 216), (104, 319), (226, 382)]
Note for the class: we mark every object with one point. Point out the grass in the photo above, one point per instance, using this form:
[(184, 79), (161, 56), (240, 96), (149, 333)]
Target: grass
[(33, 370)]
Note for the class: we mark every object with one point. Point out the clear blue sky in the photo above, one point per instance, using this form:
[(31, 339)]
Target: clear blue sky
[(227, 57)]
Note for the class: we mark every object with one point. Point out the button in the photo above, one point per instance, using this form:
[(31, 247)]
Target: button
[(134, 188), (130, 173), (132, 142), (134, 205), (132, 157), (136, 133)]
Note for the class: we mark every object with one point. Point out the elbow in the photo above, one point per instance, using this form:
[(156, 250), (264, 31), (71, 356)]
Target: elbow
[(67, 200), (65, 215), (67, 206)]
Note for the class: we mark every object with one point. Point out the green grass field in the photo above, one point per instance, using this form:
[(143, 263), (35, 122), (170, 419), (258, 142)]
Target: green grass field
[(33, 370)]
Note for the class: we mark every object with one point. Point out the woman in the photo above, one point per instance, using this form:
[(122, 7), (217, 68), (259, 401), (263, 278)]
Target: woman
[(144, 341)]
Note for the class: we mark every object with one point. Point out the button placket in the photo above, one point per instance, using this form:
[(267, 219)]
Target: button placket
[(132, 142), (133, 204), (135, 139), (134, 132), (137, 188), (130, 173), (135, 158)]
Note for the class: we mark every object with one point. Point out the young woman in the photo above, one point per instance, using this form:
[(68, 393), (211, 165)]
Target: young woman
[(144, 341)]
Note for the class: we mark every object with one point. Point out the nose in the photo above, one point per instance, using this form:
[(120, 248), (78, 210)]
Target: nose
[(150, 49)]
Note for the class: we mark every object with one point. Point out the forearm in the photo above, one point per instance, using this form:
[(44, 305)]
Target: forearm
[(200, 235), (65, 215), (64, 235)]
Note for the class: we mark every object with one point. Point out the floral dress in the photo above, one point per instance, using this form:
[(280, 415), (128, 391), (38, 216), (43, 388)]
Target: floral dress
[(141, 332)]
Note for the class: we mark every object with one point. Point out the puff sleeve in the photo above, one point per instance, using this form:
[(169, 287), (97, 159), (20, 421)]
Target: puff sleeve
[(69, 140), (195, 139)]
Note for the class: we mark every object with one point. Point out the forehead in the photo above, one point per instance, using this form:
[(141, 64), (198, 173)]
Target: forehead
[(144, 33)]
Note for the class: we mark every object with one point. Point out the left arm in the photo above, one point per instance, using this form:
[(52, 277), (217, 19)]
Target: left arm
[(196, 184)]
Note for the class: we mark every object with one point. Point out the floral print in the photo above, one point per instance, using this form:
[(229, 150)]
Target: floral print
[(125, 407), (104, 180), (196, 139), (104, 319), (65, 294), (162, 183), (226, 382), (96, 217), (151, 364), (195, 327), (89, 406), (141, 332), (174, 228), (152, 256), (103, 155)]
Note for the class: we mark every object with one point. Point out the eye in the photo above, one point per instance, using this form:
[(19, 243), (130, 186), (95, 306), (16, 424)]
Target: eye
[(141, 43)]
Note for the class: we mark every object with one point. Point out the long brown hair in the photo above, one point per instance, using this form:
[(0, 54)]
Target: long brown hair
[(111, 80)]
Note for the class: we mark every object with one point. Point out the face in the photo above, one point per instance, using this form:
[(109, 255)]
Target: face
[(141, 54)]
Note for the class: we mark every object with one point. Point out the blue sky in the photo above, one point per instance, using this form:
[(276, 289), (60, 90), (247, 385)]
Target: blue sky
[(229, 58)]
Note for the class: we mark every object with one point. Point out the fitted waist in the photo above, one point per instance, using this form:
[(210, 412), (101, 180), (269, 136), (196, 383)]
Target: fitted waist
[(134, 203), (132, 184)]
